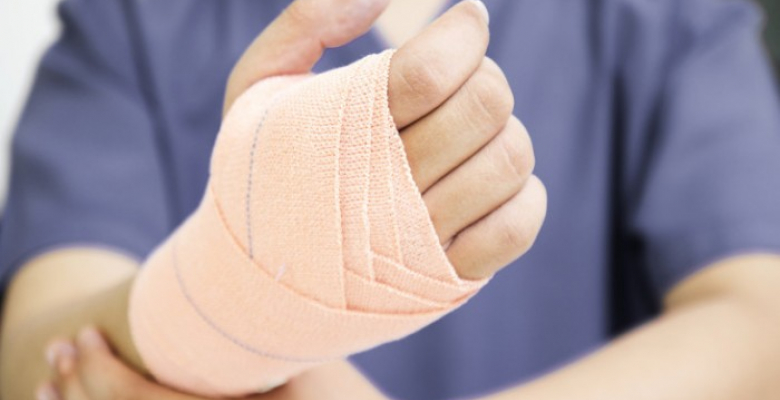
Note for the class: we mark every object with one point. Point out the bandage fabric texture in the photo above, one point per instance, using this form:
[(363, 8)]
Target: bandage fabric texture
[(312, 242)]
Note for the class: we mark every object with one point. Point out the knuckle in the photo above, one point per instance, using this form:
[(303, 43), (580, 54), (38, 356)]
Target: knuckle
[(525, 217), (435, 216), (491, 94), (515, 233), (538, 194), (342, 14), (419, 79), (514, 156), (538, 186)]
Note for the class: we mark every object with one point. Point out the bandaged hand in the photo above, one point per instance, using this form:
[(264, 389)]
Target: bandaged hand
[(344, 210)]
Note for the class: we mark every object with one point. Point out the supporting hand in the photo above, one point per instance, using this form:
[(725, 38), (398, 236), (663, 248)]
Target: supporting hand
[(88, 369)]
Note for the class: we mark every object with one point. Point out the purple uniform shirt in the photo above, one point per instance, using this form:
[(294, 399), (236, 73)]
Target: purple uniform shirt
[(656, 126)]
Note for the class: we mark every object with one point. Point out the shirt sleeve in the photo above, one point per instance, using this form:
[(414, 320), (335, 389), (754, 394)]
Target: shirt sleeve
[(709, 182), (85, 169)]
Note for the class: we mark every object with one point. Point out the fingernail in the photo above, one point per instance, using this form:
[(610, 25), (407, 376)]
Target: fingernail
[(66, 359), (91, 338), (51, 355), (482, 9), (57, 351), (46, 392)]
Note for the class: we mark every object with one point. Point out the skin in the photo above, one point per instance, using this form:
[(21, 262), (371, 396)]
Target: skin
[(716, 339)]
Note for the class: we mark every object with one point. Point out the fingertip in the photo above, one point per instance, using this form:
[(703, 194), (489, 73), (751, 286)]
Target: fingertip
[(46, 391), (541, 197), (296, 39), (474, 11), (66, 362), (90, 338), (352, 18), (51, 353), (332, 22), (59, 352), (481, 9)]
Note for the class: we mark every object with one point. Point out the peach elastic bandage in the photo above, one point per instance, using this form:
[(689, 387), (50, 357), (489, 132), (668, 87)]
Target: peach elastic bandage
[(312, 242)]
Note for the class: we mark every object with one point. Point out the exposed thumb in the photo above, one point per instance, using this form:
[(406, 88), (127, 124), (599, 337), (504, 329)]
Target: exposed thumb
[(294, 42)]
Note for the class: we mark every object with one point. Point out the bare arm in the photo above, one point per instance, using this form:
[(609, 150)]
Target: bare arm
[(54, 295), (719, 338)]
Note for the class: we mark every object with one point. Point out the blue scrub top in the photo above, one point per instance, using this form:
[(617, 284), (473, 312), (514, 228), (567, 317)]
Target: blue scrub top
[(656, 126)]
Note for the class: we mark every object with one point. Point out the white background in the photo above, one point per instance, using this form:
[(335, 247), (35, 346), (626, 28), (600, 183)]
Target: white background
[(27, 28)]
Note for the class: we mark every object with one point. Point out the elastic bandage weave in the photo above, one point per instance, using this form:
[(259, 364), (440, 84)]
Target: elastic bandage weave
[(312, 242)]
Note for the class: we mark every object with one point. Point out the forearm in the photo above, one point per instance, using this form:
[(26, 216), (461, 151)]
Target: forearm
[(54, 296), (719, 346)]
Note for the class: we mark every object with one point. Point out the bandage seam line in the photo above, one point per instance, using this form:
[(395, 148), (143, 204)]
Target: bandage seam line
[(250, 179), (143, 325), (406, 175), (449, 285), (337, 193), (452, 274), (383, 82), (458, 283), (383, 77), (389, 160), (367, 192), (439, 306), (430, 302), (253, 151), (207, 319), (252, 155), (240, 343), (381, 316)]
